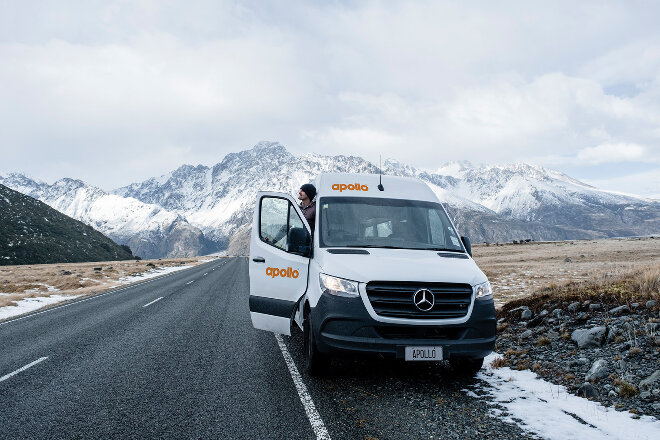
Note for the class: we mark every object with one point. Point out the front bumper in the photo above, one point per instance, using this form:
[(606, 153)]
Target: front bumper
[(343, 326)]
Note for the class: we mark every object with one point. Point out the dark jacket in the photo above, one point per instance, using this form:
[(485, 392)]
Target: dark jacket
[(310, 214)]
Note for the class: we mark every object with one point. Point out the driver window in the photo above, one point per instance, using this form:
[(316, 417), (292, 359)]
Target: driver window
[(281, 226), (274, 220)]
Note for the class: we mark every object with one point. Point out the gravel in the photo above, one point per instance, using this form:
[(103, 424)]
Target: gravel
[(610, 356)]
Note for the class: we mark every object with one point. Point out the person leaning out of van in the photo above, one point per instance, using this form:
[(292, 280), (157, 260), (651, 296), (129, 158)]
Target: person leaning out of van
[(308, 204)]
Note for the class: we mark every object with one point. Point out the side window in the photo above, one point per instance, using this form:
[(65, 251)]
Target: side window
[(281, 226), (274, 220)]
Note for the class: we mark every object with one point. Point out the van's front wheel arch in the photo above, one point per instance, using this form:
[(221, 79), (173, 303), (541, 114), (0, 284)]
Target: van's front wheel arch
[(316, 363)]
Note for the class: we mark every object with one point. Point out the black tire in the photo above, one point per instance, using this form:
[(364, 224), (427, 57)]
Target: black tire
[(466, 366), (316, 363)]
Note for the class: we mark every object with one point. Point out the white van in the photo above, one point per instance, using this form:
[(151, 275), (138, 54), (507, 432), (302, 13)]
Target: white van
[(385, 273)]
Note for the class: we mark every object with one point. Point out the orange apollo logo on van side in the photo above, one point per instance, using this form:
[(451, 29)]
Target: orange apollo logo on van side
[(284, 273), (351, 187)]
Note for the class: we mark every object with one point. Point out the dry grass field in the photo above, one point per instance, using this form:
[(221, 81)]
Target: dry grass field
[(518, 270), (515, 270), (80, 279)]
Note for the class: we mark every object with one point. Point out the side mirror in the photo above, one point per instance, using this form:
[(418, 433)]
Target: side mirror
[(299, 242), (467, 244)]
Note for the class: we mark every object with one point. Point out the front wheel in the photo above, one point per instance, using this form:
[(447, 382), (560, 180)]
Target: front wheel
[(316, 363), (466, 366)]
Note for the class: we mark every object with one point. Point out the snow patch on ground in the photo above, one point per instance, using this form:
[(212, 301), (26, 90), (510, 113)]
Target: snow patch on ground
[(552, 412), (30, 304)]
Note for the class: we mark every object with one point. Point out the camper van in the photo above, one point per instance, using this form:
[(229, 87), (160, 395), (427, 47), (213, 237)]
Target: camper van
[(385, 272)]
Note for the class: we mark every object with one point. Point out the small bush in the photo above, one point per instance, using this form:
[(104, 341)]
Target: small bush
[(627, 389), (498, 362), (543, 341)]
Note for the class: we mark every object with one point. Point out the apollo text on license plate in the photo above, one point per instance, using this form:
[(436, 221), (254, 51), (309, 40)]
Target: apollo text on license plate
[(423, 353)]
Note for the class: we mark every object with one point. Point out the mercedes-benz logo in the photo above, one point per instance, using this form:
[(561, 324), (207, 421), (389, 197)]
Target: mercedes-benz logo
[(424, 300)]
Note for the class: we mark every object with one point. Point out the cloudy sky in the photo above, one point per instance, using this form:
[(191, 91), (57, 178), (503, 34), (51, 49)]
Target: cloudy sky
[(114, 92)]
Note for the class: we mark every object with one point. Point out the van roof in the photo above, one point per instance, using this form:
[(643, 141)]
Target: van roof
[(366, 185)]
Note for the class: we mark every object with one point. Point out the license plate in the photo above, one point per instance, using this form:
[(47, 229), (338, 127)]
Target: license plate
[(423, 353)]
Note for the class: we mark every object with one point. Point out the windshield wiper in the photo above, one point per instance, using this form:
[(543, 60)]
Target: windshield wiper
[(399, 247), (372, 246)]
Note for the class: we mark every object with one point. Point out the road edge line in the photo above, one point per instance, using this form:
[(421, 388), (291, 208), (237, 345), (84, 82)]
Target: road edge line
[(305, 398)]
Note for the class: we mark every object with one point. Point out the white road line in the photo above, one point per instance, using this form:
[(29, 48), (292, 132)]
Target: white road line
[(14, 373), (148, 304), (190, 282), (313, 415)]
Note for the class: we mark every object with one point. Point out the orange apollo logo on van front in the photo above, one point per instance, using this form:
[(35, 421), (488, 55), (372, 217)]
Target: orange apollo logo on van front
[(284, 273), (351, 187)]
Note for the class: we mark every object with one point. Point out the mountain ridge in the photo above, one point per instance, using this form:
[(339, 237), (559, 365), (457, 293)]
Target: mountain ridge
[(490, 203)]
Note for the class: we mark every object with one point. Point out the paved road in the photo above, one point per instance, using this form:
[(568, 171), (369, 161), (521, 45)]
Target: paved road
[(190, 365)]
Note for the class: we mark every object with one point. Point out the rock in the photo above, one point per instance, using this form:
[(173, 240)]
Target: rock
[(582, 316), (645, 394), (653, 328), (650, 303), (543, 313), (573, 307), (538, 319), (620, 310), (612, 393), (587, 390), (65, 272), (526, 334), (598, 369), (593, 337), (557, 313), (567, 260), (583, 361), (98, 269), (553, 335), (634, 305), (526, 314), (151, 265), (650, 381), (595, 306)]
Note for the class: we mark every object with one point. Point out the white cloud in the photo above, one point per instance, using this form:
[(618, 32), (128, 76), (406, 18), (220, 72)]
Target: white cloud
[(645, 183), (424, 82), (611, 153)]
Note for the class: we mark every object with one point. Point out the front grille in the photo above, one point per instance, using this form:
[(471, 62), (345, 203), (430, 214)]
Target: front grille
[(419, 332), (394, 299)]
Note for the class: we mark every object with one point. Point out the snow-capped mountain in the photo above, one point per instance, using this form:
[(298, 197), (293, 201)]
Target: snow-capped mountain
[(491, 203), (488, 203), (150, 230)]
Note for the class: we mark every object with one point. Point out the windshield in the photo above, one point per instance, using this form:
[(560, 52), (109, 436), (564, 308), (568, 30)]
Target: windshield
[(387, 223)]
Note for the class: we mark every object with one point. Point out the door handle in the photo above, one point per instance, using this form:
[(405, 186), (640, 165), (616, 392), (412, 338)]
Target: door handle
[(259, 259)]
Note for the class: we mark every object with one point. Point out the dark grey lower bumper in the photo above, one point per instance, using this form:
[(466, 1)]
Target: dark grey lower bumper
[(343, 326)]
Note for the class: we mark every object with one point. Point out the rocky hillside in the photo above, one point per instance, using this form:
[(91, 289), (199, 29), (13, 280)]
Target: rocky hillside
[(32, 232), (149, 230), (601, 339)]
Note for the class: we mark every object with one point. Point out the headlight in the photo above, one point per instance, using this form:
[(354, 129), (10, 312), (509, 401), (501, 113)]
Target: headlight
[(338, 286), (483, 290)]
